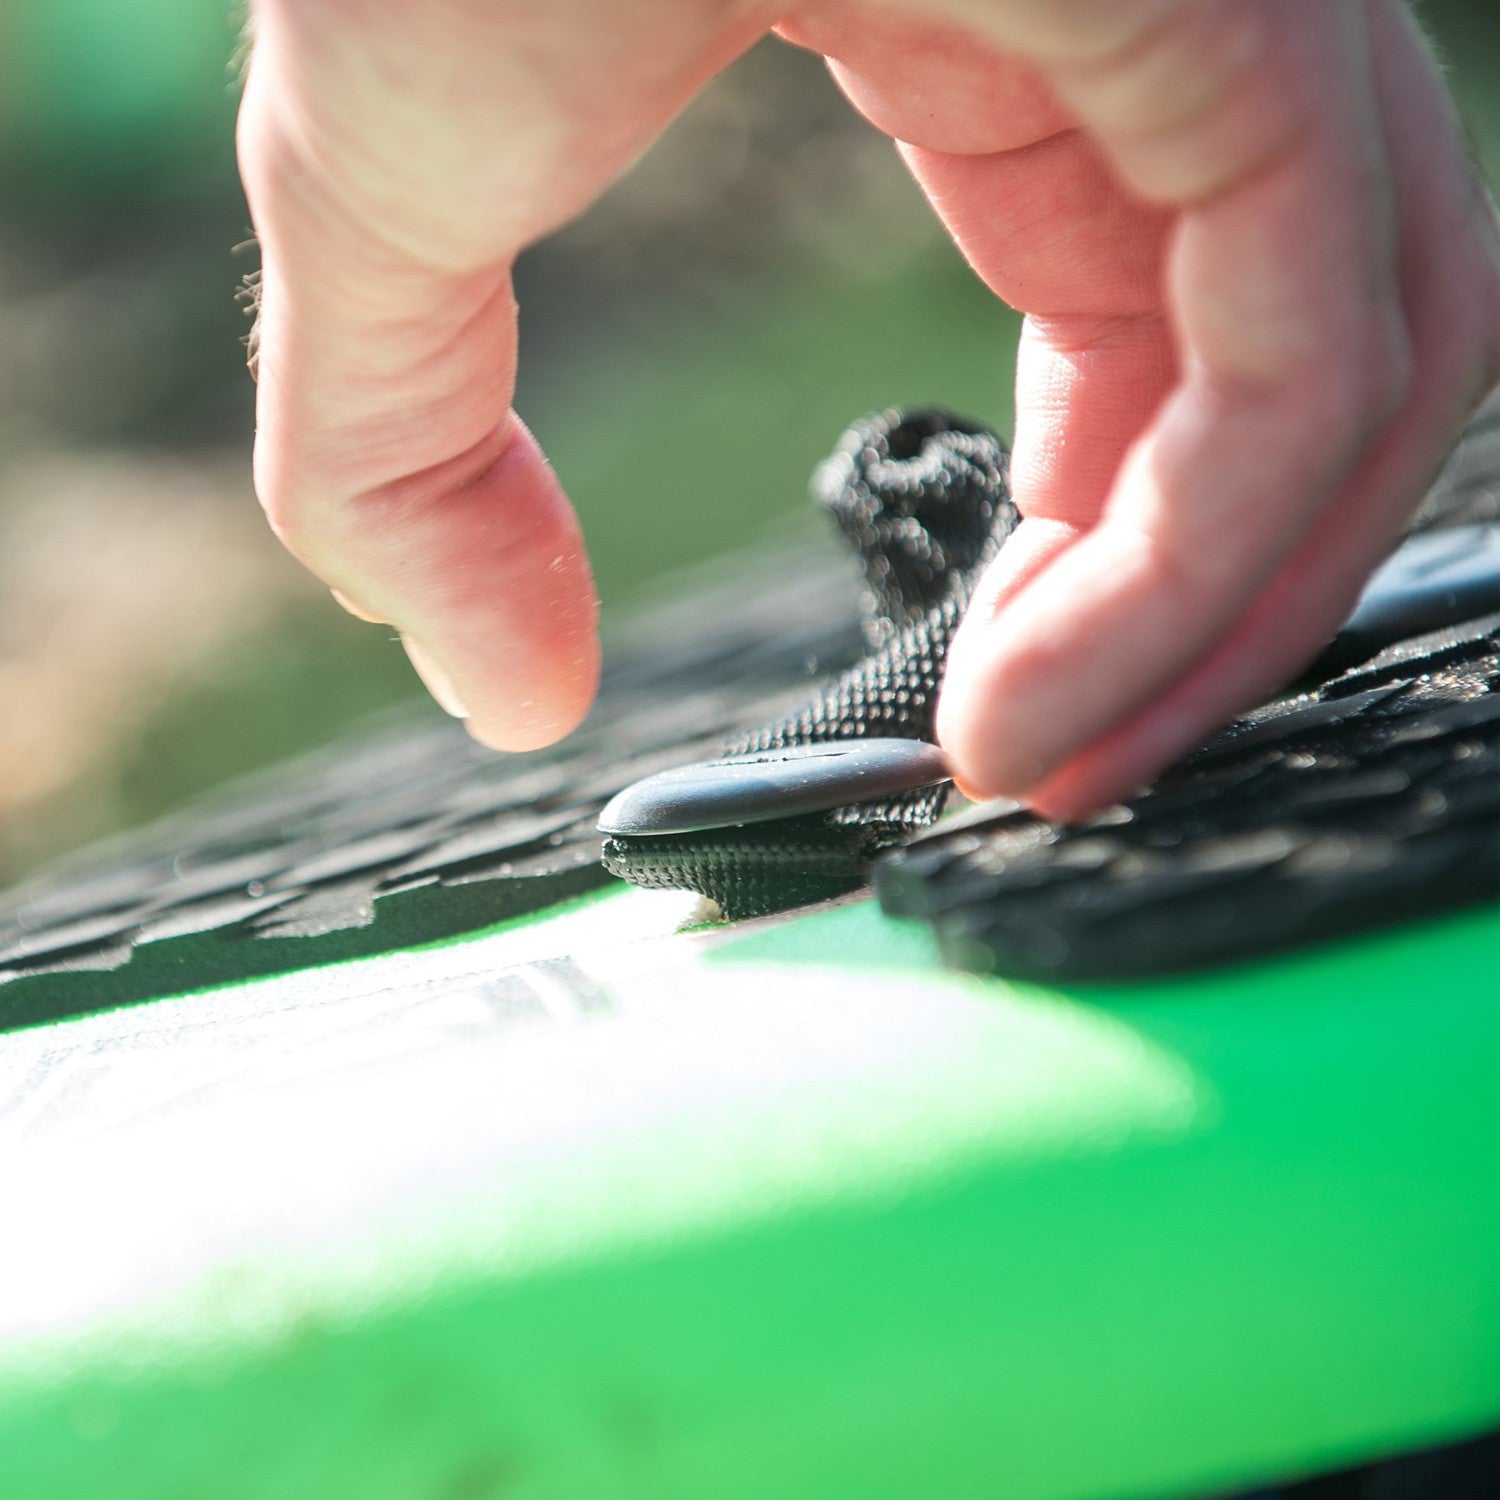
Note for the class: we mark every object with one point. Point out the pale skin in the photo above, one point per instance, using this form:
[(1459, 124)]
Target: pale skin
[(1261, 286)]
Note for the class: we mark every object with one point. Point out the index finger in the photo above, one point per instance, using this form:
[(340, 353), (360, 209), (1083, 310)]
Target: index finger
[(1196, 394), (396, 159)]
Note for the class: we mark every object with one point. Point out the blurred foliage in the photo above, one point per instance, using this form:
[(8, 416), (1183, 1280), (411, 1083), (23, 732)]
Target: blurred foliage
[(100, 94), (690, 349)]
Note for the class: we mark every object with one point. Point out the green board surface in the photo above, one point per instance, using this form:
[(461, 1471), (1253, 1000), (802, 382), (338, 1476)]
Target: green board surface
[(590, 1207)]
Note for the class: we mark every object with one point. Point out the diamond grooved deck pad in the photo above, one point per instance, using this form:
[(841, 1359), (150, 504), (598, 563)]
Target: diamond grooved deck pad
[(411, 833)]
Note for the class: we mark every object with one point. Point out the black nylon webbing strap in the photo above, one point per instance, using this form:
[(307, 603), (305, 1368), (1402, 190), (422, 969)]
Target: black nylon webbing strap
[(923, 498)]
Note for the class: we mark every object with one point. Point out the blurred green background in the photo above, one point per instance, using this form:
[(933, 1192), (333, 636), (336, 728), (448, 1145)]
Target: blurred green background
[(689, 349)]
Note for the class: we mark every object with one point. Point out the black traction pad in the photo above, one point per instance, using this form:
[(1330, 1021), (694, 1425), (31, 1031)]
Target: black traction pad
[(407, 832), (1373, 799)]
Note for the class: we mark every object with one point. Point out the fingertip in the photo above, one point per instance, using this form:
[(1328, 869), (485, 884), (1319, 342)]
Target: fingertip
[(482, 569), (980, 722), (978, 732), (989, 763), (535, 711), (1077, 793), (528, 666)]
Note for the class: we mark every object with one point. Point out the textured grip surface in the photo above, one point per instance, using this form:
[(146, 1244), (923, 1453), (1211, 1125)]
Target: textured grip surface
[(408, 832)]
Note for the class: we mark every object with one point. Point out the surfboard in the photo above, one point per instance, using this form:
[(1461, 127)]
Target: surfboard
[(360, 1136)]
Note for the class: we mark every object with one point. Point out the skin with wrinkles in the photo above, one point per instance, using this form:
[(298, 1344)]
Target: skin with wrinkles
[(1261, 288)]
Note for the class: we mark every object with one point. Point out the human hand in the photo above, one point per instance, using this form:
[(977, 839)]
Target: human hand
[(1262, 289)]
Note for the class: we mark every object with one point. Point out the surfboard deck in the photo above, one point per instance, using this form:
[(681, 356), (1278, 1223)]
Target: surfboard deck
[(589, 1206), (358, 1138)]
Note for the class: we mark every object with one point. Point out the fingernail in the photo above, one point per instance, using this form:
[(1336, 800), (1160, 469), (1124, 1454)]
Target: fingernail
[(357, 610), (435, 679)]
